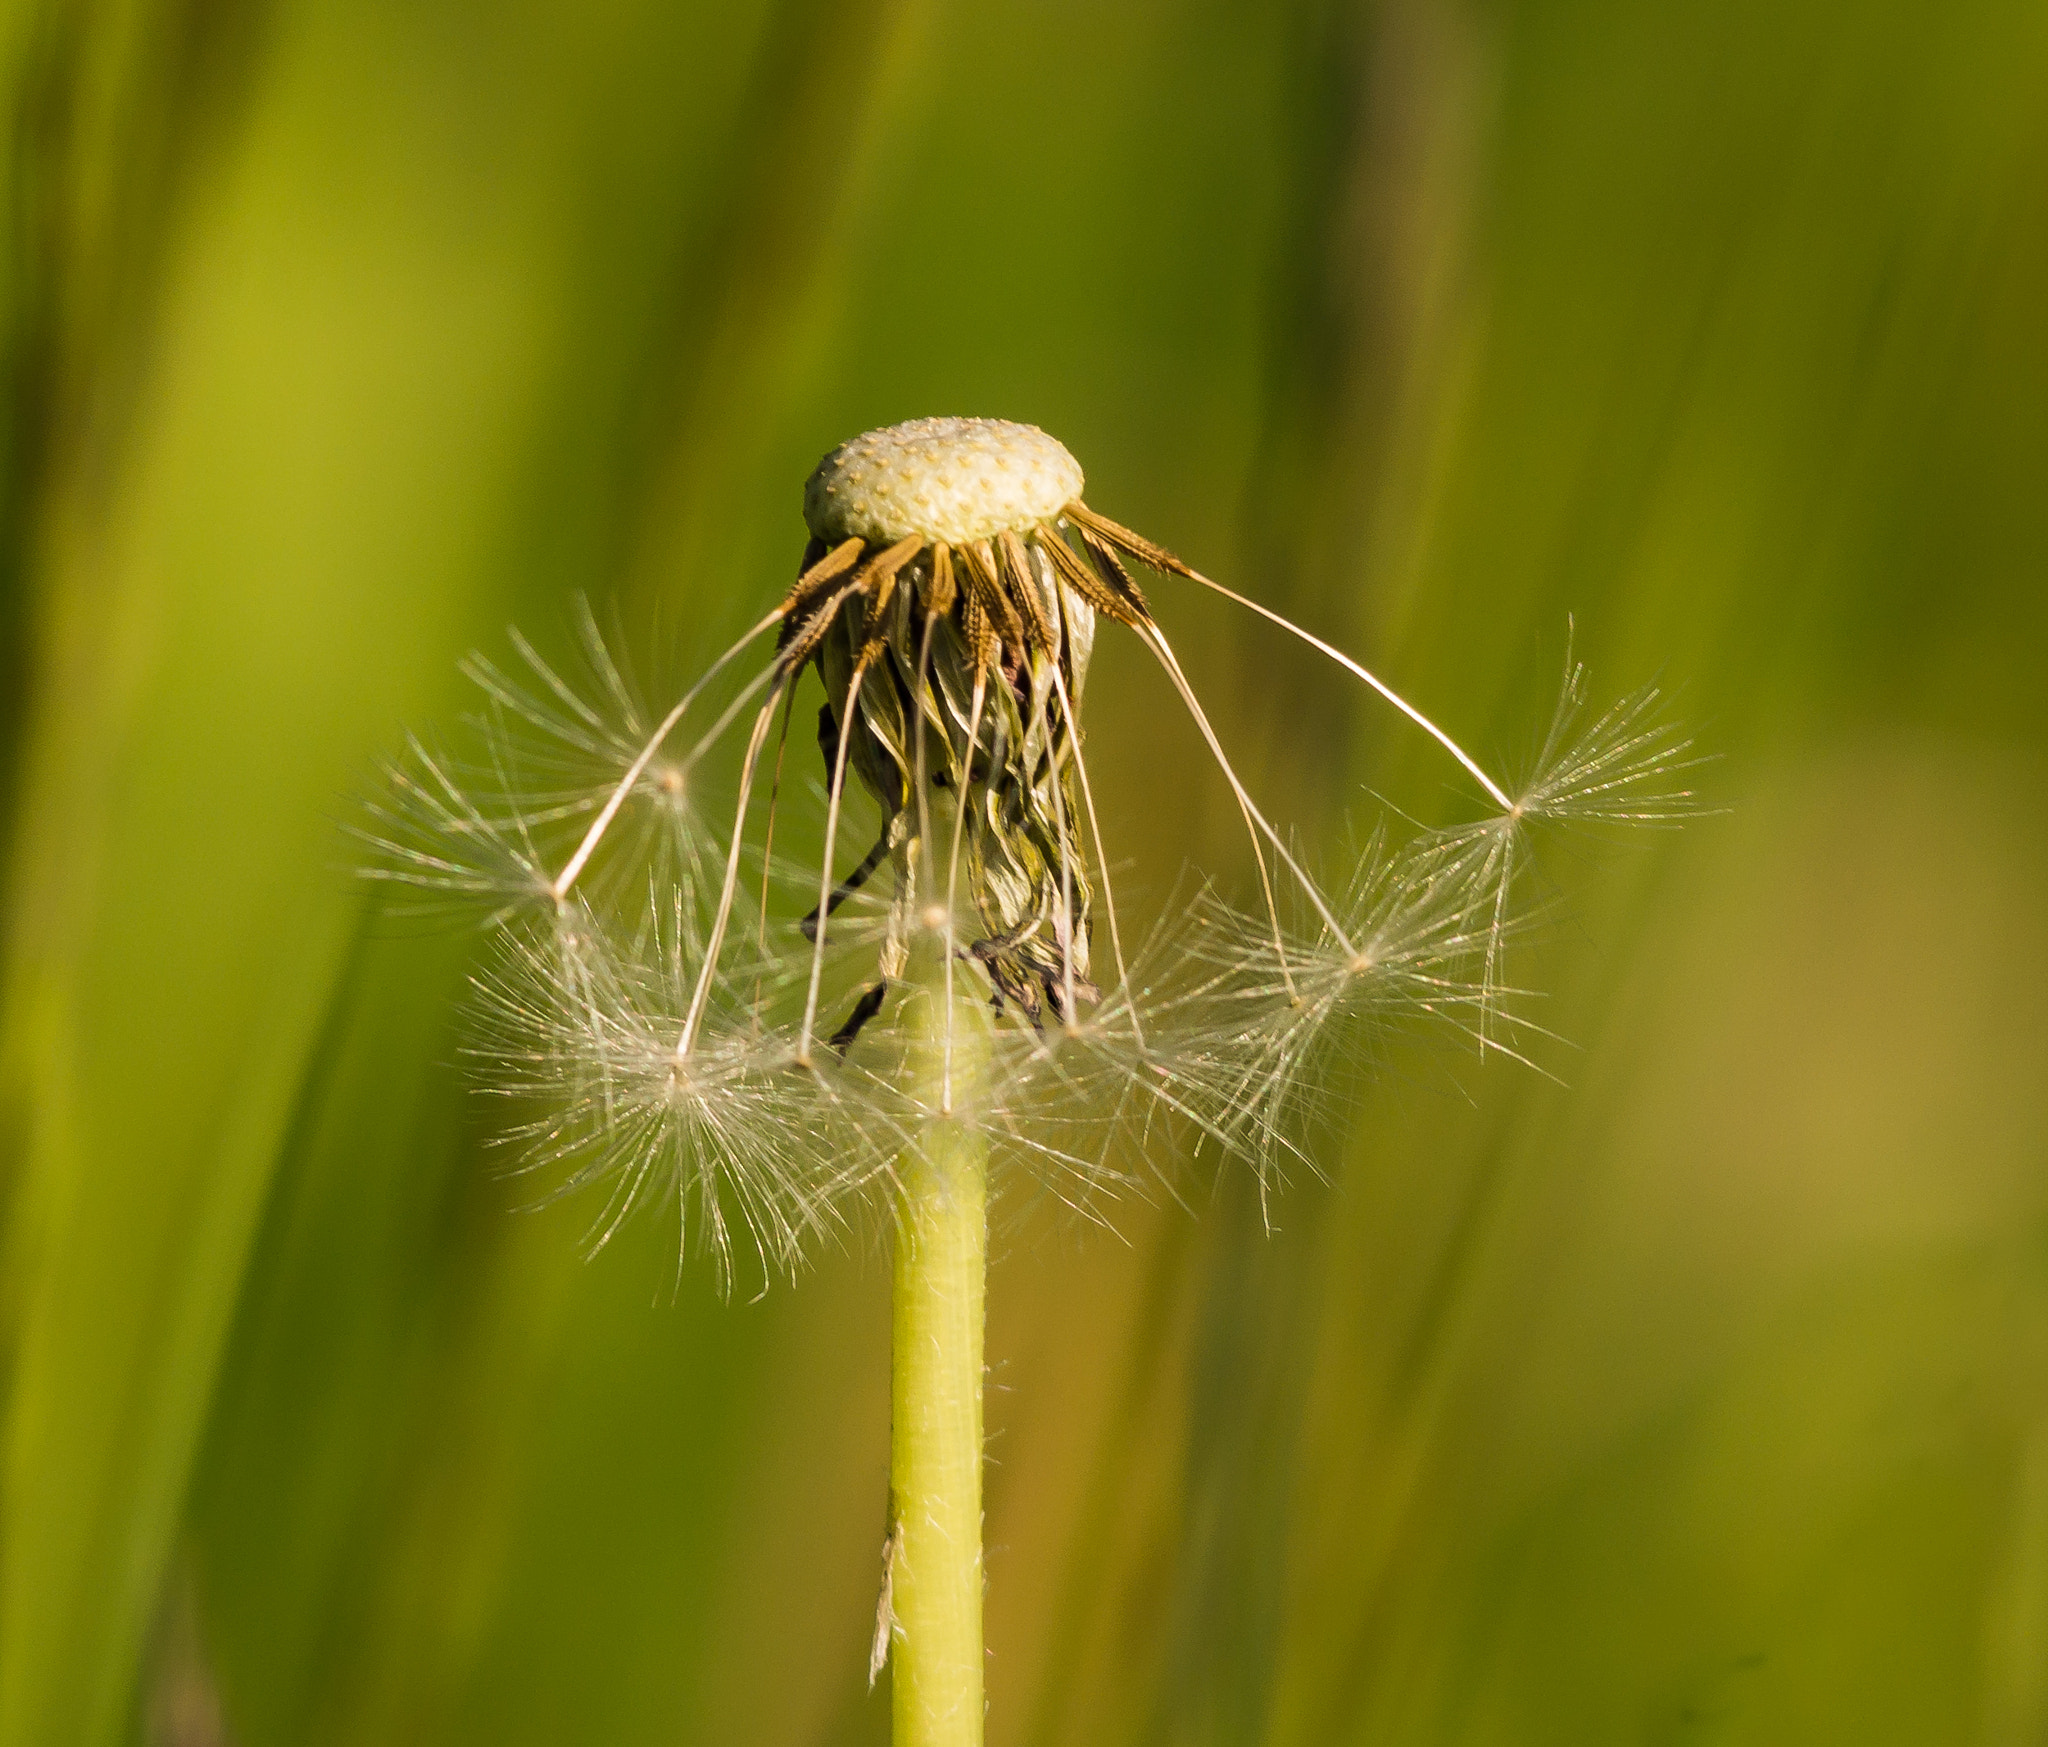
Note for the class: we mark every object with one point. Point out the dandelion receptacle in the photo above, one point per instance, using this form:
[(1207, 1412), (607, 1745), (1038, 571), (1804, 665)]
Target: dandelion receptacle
[(678, 1012)]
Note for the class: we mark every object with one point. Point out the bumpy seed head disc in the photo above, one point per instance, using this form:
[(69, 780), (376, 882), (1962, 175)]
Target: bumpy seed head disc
[(954, 480)]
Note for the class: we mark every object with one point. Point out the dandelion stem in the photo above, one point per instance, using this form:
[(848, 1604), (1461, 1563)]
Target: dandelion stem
[(1254, 820), (935, 1440), (1116, 939), (617, 799), (847, 728), (768, 847), (1499, 795), (702, 993), (965, 780), (1042, 719)]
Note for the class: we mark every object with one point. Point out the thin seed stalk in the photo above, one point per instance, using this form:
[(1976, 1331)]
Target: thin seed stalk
[(935, 1441)]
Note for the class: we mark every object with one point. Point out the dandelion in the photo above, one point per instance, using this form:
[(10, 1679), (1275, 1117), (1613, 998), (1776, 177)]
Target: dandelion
[(675, 1023)]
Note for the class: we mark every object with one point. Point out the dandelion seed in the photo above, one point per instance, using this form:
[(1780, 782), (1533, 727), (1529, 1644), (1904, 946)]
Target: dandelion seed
[(753, 1150)]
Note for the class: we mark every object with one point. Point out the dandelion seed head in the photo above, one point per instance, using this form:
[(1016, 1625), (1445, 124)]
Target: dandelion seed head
[(684, 1016)]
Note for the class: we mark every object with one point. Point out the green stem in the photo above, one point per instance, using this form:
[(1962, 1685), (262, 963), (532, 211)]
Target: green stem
[(935, 1444)]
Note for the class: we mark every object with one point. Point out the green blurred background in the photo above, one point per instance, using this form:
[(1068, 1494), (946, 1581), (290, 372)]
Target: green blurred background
[(1701, 1396)]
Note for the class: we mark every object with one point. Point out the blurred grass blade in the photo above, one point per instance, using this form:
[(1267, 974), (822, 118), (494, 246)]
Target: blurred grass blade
[(218, 650)]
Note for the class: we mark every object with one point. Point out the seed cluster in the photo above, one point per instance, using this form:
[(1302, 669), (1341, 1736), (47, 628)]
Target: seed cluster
[(679, 1028)]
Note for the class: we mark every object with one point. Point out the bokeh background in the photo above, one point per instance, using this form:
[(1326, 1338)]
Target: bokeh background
[(1698, 1393)]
